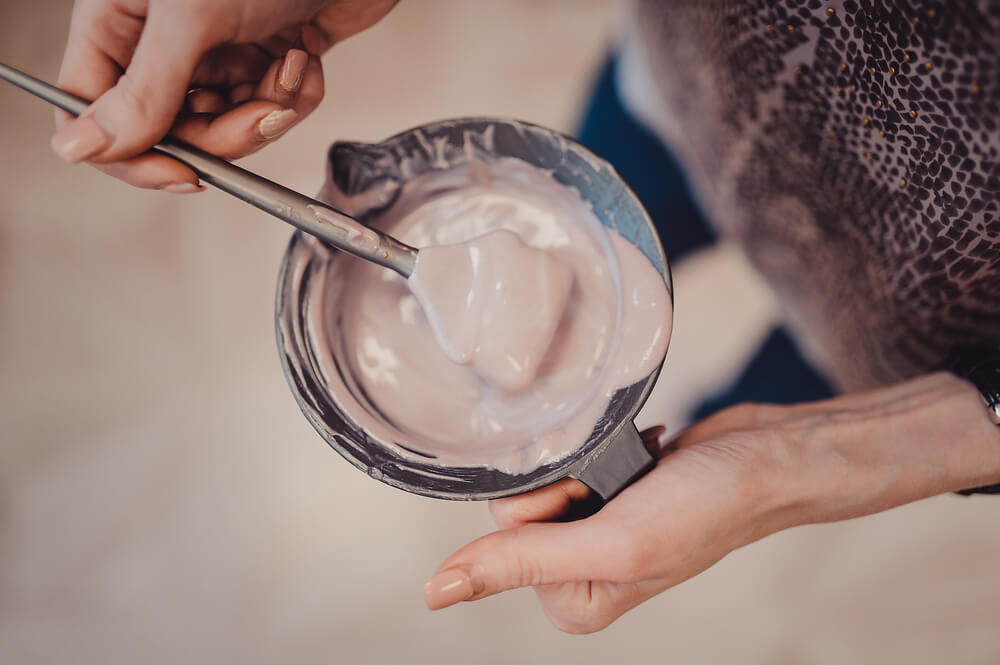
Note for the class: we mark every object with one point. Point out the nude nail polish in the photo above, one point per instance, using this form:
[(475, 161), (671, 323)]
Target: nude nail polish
[(293, 70), (276, 123), (447, 588), (79, 140), (183, 188)]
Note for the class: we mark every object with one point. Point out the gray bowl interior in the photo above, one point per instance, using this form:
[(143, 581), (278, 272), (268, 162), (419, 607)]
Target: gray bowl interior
[(369, 175)]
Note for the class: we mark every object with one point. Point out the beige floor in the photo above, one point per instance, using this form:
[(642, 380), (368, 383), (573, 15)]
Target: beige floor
[(163, 501)]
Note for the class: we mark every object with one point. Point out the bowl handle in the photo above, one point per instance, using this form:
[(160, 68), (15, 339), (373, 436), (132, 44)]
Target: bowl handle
[(623, 461)]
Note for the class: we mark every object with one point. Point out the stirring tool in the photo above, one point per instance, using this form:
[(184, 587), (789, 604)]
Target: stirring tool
[(305, 213)]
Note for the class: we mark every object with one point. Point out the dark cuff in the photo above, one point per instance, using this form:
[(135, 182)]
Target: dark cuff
[(989, 489), (980, 365)]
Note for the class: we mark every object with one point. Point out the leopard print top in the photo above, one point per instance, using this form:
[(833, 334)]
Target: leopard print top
[(853, 149)]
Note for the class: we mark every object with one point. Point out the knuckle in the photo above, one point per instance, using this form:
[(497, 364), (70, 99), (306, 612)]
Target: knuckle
[(136, 120), (746, 412), (132, 96), (749, 415), (583, 620), (311, 96), (527, 572), (523, 569)]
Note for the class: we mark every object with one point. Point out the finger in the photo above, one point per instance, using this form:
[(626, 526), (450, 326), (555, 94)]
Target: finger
[(229, 65), (339, 20), (652, 438), (314, 40), (252, 125), (290, 76), (230, 136), (305, 90), (239, 132), (312, 89), (552, 501), (248, 71), (90, 67), (282, 80), (88, 71), (279, 84), (141, 106), (93, 63), (543, 504), (526, 556), (278, 43), (206, 101), (153, 171), (242, 93)]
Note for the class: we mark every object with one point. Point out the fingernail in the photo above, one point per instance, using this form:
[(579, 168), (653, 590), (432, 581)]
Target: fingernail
[(276, 123), (79, 140), (290, 77), (447, 588), (183, 188)]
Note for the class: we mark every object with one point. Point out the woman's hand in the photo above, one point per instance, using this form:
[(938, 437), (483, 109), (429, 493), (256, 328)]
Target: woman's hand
[(739, 476), (228, 76)]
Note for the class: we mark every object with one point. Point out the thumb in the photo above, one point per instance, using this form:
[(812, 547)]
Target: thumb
[(140, 108), (529, 555)]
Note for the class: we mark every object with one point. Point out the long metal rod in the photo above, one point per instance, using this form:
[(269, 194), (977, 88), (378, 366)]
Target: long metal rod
[(302, 212)]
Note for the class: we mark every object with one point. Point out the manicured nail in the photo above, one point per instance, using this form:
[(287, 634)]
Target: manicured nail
[(447, 588), (79, 140), (276, 123), (290, 76), (183, 188)]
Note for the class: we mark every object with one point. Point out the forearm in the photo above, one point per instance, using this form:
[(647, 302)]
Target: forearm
[(864, 453)]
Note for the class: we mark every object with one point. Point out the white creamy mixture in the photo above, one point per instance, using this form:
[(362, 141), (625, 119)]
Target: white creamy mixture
[(494, 303), (613, 329)]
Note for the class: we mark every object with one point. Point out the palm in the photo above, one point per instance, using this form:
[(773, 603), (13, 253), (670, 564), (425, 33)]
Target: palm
[(683, 510)]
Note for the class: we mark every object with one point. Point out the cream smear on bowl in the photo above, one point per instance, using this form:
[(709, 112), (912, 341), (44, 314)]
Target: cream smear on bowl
[(385, 366)]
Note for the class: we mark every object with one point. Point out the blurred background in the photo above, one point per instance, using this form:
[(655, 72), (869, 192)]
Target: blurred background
[(162, 500)]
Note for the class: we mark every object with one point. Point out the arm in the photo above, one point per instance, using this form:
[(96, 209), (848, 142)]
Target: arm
[(728, 481)]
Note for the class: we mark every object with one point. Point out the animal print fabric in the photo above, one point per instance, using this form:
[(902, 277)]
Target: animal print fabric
[(853, 149)]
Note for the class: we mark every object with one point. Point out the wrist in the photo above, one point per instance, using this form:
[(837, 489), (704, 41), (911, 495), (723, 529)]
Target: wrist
[(861, 454)]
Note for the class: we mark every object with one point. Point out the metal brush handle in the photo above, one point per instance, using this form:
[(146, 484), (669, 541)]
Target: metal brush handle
[(297, 209)]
